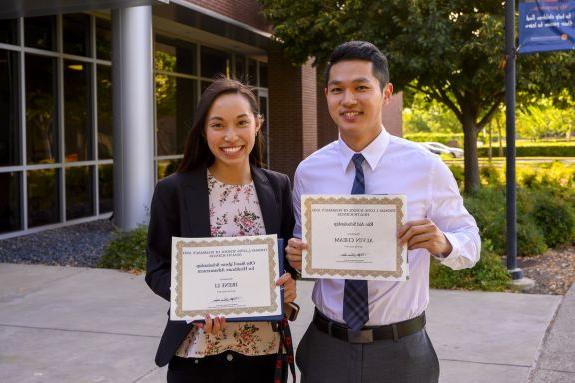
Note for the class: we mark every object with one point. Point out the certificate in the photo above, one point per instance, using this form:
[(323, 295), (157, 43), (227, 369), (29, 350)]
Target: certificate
[(232, 277), (354, 237)]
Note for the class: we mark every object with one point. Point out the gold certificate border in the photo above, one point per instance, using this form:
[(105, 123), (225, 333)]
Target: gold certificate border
[(272, 255), (346, 200)]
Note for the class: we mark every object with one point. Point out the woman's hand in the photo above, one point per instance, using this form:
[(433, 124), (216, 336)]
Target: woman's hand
[(289, 288), (213, 326)]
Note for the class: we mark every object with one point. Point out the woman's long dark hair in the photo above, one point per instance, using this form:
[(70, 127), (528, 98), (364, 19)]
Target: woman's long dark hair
[(196, 151)]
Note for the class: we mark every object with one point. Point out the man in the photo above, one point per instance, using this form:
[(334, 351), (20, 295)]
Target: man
[(374, 331)]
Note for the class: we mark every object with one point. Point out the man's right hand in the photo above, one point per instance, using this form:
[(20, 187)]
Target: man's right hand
[(293, 252)]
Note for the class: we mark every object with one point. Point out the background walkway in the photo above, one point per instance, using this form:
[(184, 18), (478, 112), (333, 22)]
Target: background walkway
[(64, 324)]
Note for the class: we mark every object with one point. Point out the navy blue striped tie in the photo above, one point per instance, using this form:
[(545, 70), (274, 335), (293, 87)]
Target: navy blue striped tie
[(355, 304)]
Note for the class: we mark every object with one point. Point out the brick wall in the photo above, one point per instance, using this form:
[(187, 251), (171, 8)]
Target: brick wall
[(327, 131), (292, 112), (245, 11), (309, 109), (392, 115)]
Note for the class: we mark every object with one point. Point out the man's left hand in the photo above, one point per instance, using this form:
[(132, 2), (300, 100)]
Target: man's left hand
[(423, 234)]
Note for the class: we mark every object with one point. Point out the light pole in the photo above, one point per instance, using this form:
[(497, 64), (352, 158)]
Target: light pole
[(510, 85)]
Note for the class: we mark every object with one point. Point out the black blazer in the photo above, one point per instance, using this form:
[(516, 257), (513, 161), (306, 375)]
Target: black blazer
[(180, 208)]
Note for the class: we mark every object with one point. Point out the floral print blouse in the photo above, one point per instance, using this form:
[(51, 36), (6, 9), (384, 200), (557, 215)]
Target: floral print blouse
[(234, 211)]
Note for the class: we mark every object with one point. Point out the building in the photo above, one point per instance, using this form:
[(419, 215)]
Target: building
[(96, 98)]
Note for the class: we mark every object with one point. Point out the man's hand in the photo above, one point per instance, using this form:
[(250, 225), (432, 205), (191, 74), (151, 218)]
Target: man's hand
[(293, 252), (423, 234)]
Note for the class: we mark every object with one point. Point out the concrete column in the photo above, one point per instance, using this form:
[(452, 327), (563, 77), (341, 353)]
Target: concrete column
[(133, 115)]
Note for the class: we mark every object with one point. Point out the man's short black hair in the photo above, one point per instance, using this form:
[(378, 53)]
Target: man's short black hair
[(360, 50)]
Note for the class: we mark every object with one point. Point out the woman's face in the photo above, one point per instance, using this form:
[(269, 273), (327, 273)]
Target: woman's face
[(231, 129)]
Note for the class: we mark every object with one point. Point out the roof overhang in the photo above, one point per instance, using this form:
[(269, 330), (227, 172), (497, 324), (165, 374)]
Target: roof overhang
[(10, 9), (193, 16)]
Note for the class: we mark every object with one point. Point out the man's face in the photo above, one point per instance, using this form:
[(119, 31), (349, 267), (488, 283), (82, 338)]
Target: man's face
[(354, 99)]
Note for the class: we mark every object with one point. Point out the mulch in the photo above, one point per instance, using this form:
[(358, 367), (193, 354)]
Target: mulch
[(553, 271)]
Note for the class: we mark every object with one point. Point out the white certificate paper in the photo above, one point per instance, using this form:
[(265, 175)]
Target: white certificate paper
[(354, 237), (233, 277)]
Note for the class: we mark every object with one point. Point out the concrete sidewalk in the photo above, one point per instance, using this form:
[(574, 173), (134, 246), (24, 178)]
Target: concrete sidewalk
[(62, 324)]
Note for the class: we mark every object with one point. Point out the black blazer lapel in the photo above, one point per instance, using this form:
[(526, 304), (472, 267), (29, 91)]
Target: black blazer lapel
[(196, 219), (268, 199)]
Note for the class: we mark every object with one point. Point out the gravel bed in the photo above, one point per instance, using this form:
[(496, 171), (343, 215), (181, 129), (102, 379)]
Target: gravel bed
[(75, 245), (553, 271)]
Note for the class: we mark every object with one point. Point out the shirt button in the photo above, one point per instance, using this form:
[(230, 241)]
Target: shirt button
[(229, 357)]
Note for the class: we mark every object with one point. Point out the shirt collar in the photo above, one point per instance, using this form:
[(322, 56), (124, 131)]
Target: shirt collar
[(372, 152)]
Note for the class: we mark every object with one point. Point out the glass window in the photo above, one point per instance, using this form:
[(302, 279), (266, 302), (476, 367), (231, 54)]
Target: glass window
[(79, 196), (215, 62), (175, 103), (105, 116), (10, 201), (240, 71), (43, 202), (167, 167), (76, 34), (252, 72), (77, 111), (263, 75), (8, 31), (41, 110), (103, 39), (40, 32), (172, 55), (9, 120), (106, 188)]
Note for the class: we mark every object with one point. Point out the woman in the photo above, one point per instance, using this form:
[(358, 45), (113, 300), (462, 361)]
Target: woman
[(220, 190)]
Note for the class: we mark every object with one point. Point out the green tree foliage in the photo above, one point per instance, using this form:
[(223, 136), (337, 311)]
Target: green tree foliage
[(450, 50), (428, 116), (546, 117)]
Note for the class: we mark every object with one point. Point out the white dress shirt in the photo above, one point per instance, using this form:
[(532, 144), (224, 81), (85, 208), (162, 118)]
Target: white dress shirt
[(392, 166)]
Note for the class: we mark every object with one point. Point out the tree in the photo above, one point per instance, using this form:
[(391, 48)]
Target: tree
[(422, 115), (450, 50)]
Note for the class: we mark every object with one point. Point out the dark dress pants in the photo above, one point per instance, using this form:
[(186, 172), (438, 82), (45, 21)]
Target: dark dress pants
[(322, 358), (228, 367)]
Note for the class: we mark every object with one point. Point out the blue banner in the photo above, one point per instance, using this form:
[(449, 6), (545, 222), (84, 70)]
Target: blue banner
[(546, 26)]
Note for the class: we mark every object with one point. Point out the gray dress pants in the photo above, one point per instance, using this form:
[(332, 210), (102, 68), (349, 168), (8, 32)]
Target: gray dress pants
[(322, 358)]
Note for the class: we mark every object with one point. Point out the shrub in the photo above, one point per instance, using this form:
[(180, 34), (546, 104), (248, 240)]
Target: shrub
[(558, 174), (458, 173), (444, 138), (126, 251), (541, 150), (489, 274), (555, 218), (530, 238), (487, 206), (527, 177), (489, 175), (554, 174)]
